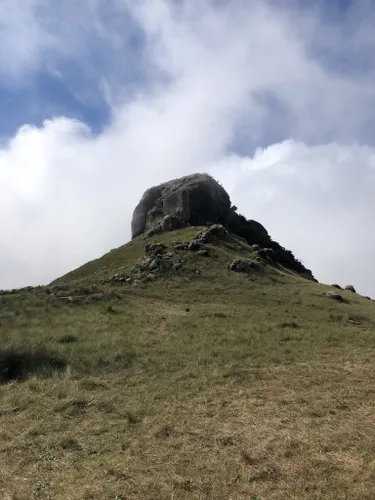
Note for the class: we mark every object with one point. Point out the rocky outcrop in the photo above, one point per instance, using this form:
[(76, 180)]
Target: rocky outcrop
[(195, 200), (198, 200)]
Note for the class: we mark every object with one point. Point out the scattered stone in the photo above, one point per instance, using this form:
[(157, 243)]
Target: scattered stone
[(243, 266), (155, 248), (69, 298), (217, 231), (354, 322), (335, 285), (195, 245), (176, 266), (350, 288), (255, 248), (116, 278), (187, 309), (143, 264), (203, 253), (181, 247), (154, 264), (157, 263), (267, 254), (367, 297), (334, 296)]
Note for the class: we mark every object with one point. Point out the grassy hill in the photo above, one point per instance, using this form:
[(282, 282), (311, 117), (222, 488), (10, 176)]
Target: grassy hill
[(196, 382)]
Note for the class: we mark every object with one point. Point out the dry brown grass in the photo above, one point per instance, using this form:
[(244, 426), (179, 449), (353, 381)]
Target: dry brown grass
[(296, 432)]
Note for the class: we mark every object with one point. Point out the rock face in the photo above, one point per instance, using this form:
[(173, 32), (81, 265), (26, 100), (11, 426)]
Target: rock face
[(195, 200), (198, 200)]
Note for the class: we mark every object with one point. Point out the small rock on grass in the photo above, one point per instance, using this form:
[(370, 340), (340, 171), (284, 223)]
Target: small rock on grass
[(335, 296)]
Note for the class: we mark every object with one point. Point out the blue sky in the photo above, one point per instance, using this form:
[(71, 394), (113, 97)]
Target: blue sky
[(49, 95), (71, 86), (101, 99)]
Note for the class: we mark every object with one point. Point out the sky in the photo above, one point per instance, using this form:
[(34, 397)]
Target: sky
[(101, 99)]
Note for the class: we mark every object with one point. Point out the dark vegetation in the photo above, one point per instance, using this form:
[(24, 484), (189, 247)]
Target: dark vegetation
[(18, 364)]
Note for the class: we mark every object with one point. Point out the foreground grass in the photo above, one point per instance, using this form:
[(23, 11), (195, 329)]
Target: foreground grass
[(208, 385)]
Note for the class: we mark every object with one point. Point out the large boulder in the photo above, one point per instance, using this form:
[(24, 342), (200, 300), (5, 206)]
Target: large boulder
[(196, 200)]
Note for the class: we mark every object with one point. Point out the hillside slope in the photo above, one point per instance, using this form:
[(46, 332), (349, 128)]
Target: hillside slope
[(164, 374)]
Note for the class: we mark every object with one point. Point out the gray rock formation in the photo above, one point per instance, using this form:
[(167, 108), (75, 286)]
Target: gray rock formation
[(195, 200), (198, 200)]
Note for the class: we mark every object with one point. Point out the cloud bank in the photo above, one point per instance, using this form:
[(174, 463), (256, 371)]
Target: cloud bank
[(256, 95)]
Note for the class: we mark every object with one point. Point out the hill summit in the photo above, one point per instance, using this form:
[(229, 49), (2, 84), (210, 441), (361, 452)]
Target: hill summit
[(199, 200)]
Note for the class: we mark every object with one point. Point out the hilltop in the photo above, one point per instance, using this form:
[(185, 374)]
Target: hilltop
[(190, 363), (197, 200)]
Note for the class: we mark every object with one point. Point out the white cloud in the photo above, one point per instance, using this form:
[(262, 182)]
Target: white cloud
[(316, 200), (67, 196), (50, 36)]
